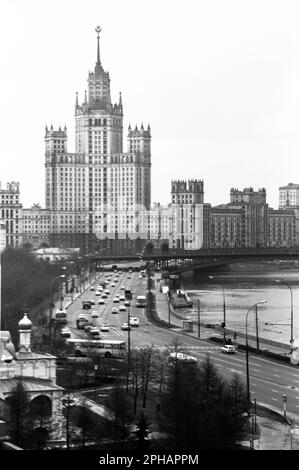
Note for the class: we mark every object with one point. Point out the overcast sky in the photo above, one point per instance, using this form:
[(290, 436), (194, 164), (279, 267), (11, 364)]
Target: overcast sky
[(218, 81)]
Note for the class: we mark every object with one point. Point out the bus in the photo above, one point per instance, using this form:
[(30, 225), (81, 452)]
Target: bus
[(141, 301), (98, 348)]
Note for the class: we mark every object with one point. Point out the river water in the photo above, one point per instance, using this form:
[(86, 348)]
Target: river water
[(244, 285)]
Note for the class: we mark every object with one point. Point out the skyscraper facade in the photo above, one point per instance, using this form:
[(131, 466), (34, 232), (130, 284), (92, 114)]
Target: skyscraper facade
[(98, 192)]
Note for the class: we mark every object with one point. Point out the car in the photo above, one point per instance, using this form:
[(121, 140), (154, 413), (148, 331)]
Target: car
[(177, 356), (98, 292), (127, 303), (228, 349), (125, 326), (101, 302), (92, 288), (100, 288), (87, 328), (94, 331), (109, 279), (94, 314), (65, 332), (129, 277), (122, 298), (122, 308), (82, 316), (104, 296), (130, 271), (104, 328), (114, 310), (140, 276), (112, 285), (107, 291), (134, 321), (116, 300), (92, 302), (122, 288)]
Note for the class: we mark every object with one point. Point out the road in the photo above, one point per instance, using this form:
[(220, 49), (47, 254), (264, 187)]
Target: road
[(269, 380)]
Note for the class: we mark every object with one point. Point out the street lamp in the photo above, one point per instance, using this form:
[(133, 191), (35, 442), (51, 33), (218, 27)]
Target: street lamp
[(224, 313), (292, 313), (247, 354)]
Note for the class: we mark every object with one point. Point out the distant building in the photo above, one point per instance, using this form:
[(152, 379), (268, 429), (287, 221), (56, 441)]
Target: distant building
[(189, 225), (10, 211), (282, 228), (35, 225), (225, 228), (289, 200)]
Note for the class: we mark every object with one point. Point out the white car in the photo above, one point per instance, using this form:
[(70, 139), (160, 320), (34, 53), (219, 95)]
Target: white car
[(104, 328), (101, 302), (94, 331), (129, 277), (123, 288), (134, 321), (125, 326), (122, 308), (65, 332), (92, 288), (112, 285), (107, 291), (116, 300), (98, 292), (181, 357), (140, 276), (228, 349), (127, 303), (114, 310), (122, 298), (94, 314)]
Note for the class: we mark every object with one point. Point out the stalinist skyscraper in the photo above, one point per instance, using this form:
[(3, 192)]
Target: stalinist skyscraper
[(96, 194)]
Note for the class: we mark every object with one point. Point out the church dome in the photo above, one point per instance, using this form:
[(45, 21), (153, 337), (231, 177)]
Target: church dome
[(25, 323)]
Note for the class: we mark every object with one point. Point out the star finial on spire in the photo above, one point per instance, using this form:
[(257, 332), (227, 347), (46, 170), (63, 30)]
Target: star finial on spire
[(98, 29)]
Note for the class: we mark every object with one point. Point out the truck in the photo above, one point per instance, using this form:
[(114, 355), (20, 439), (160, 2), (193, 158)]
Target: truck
[(81, 322), (128, 294)]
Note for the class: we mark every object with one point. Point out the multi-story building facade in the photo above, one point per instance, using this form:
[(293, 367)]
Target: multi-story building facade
[(254, 219), (10, 209), (289, 200), (189, 217), (92, 192), (282, 228), (225, 228), (35, 225)]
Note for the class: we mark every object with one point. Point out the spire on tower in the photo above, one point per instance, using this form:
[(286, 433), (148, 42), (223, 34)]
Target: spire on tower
[(120, 100), (77, 104), (85, 97), (98, 30)]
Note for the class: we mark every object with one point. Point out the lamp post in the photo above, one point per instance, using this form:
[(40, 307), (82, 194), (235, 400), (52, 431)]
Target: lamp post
[(224, 313), (292, 313), (129, 347), (247, 354), (61, 276), (198, 317)]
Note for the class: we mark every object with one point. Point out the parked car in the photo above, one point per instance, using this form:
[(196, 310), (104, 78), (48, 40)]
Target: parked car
[(228, 349), (125, 326)]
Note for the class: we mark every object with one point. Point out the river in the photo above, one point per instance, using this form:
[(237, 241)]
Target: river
[(244, 285)]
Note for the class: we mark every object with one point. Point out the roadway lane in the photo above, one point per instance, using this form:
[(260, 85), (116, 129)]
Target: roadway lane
[(269, 380)]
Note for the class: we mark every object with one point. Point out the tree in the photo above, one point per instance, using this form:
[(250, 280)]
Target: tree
[(200, 410), (142, 432), (20, 423), (120, 405)]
